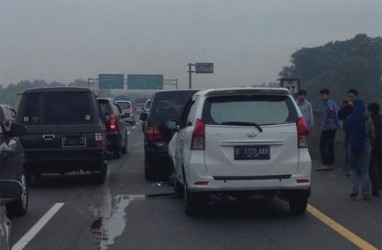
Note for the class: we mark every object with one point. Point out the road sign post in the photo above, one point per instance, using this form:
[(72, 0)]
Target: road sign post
[(200, 68), (292, 84)]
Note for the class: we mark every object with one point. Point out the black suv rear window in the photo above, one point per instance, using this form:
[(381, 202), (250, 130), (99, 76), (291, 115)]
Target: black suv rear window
[(262, 110), (124, 105), (57, 108), (168, 106)]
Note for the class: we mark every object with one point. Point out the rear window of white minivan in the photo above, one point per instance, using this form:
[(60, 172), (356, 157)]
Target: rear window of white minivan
[(262, 110)]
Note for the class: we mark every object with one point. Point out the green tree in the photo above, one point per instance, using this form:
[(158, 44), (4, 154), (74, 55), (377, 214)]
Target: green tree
[(338, 66)]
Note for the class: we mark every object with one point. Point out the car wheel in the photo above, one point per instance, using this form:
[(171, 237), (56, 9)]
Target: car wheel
[(149, 173), (117, 152), (298, 204), (124, 148), (191, 202), (178, 189), (20, 206), (100, 176)]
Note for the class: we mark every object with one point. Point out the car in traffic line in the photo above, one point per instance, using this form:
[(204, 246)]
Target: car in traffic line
[(5, 229), (116, 132), (7, 116), (64, 131), (241, 142), (128, 111), (166, 105), (145, 109), (13, 175)]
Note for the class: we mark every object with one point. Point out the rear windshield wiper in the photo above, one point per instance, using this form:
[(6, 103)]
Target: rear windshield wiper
[(243, 124)]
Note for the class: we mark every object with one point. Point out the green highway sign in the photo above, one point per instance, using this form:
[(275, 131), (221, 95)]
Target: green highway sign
[(145, 81), (111, 81)]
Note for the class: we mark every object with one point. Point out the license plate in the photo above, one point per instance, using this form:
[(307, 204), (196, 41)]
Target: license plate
[(252, 152), (73, 142)]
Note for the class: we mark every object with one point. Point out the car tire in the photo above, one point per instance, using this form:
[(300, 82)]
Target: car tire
[(149, 172), (191, 202), (298, 204), (178, 189), (117, 152), (124, 148), (19, 207), (100, 176)]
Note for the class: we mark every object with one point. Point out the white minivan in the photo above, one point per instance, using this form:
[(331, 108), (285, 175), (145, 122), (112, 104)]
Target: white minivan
[(241, 141)]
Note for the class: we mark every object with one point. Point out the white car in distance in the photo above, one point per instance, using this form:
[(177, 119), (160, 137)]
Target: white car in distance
[(244, 142)]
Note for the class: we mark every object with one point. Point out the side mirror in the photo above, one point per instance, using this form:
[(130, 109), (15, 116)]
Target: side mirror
[(143, 117), (172, 125), (10, 189), (17, 129)]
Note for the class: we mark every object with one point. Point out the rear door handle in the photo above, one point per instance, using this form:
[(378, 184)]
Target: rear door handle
[(48, 137)]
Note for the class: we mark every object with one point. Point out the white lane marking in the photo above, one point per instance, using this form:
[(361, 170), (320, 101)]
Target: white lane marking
[(37, 227), (133, 127), (129, 132)]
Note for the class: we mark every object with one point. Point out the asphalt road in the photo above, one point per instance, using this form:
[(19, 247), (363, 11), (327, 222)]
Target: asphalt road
[(128, 212)]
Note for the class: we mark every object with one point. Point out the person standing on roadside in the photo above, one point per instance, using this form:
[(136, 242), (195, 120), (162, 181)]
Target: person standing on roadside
[(359, 130), (329, 127), (375, 170), (305, 108), (347, 105), (345, 110)]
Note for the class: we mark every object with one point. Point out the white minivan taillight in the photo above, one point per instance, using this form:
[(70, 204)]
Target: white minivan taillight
[(198, 136), (302, 132)]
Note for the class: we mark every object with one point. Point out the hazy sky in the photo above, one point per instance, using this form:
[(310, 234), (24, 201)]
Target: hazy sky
[(249, 41)]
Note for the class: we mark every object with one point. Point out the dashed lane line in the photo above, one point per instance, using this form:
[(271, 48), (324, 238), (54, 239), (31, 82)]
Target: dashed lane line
[(37, 227), (347, 234)]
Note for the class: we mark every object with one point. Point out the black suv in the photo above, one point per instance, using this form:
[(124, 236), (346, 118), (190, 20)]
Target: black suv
[(64, 131), (116, 133), (165, 106)]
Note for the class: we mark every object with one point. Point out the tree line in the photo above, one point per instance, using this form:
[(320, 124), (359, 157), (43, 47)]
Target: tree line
[(339, 66), (8, 95)]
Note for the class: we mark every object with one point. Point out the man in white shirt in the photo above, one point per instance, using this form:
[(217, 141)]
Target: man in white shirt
[(306, 108)]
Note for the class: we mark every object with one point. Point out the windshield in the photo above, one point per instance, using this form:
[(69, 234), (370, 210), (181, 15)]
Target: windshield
[(124, 105), (57, 108)]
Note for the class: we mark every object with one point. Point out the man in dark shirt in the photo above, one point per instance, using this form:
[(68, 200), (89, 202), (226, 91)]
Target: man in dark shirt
[(345, 110), (347, 106)]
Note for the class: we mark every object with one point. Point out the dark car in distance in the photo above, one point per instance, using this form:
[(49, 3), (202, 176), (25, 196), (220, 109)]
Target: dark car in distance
[(64, 131), (116, 133), (165, 105)]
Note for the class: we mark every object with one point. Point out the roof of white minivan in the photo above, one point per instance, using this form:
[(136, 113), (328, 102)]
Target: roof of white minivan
[(244, 90)]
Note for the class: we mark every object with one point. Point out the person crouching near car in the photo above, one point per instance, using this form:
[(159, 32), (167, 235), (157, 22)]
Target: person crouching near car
[(376, 151), (360, 132)]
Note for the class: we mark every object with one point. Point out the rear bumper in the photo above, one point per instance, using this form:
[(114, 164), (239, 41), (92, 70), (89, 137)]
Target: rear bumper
[(198, 180), (62, 161)]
